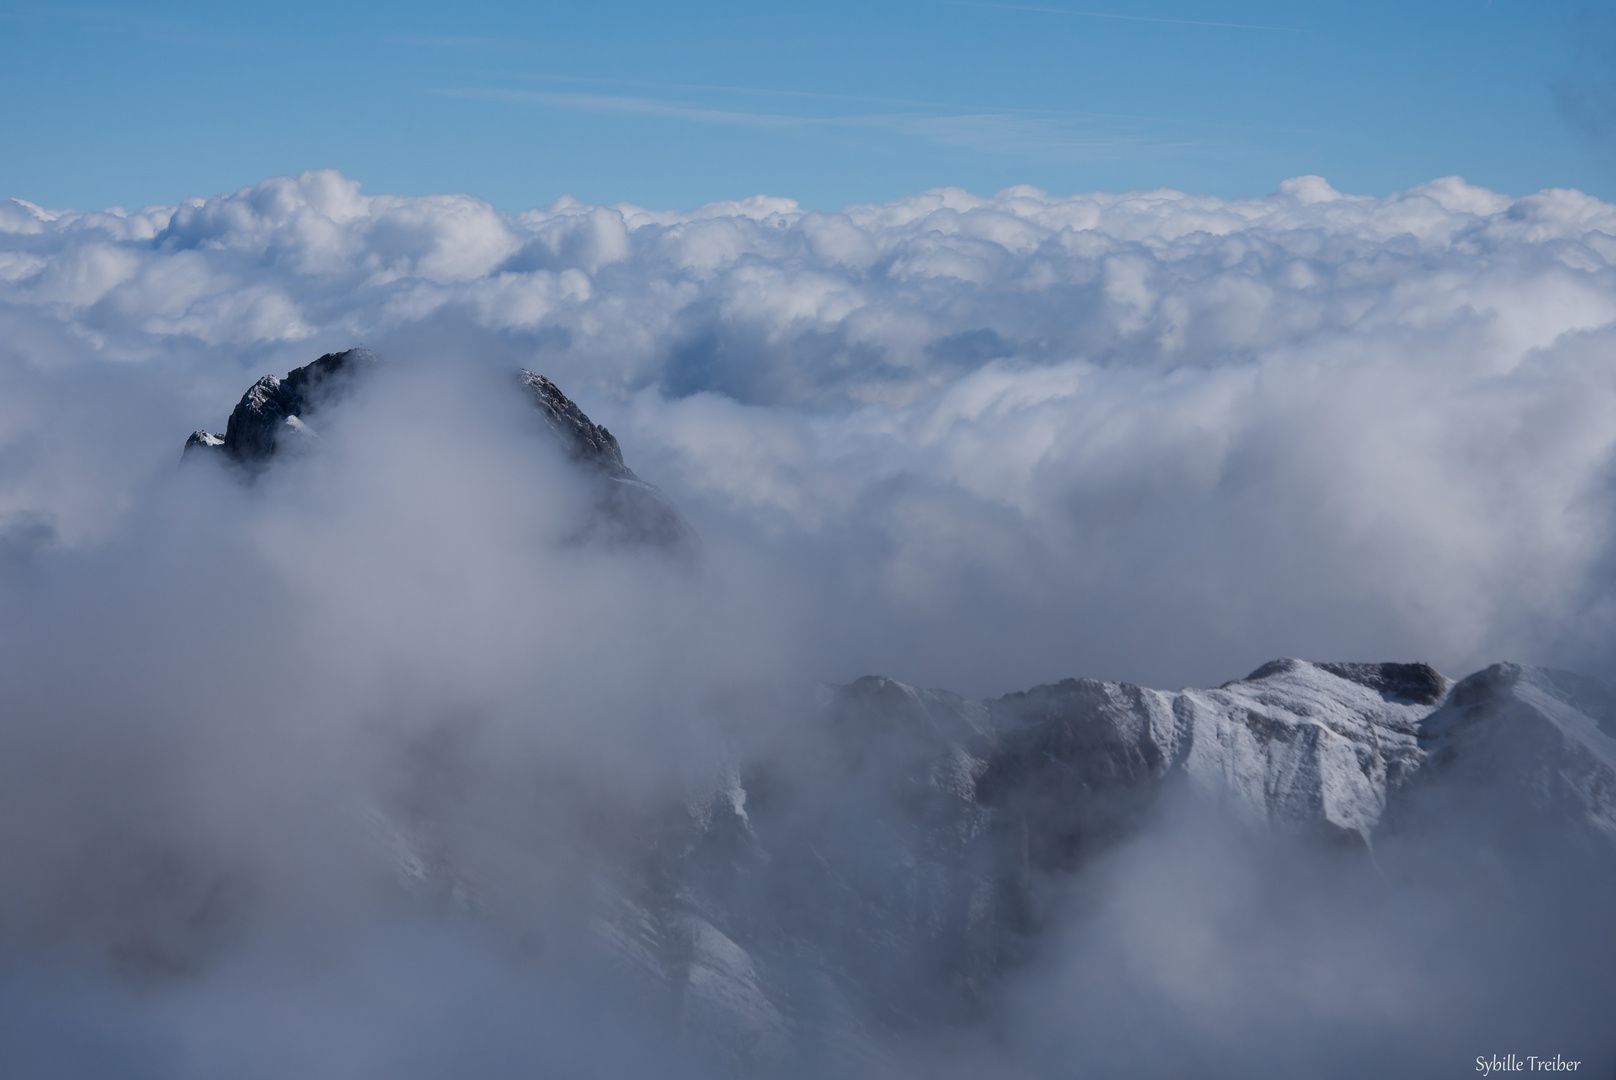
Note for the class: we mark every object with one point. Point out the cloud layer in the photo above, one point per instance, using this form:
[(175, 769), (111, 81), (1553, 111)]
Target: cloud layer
[(968, 442), (963, 440)]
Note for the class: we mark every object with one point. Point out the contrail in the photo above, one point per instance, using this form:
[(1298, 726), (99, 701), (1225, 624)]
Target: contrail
[(1125, 18)]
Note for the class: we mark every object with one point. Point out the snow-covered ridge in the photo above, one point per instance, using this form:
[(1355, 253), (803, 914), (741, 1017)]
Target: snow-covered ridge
[(1540, 744), (914, 838), (1294, 742)]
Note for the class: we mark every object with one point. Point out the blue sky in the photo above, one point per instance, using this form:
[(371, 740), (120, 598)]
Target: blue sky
[(671, 105)]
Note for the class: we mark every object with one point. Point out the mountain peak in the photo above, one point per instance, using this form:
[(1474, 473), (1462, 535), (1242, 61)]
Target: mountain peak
[(1416, 683), (273, 414), (585, 441), (273, 408)]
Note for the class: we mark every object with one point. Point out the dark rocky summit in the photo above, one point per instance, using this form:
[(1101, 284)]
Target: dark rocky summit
[(1419, 684), (628, 510), (271, 412), (586, 442), (273, 415), (203, 441)]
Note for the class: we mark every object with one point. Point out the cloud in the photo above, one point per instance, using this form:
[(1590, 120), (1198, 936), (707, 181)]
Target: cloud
[(1260, 958), (638, 106), (993, 130), (1165, 436), (975, 442)]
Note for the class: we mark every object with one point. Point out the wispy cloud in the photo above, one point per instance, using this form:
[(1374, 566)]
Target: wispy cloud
[(1056, 135), (1048, 134), (761, 91), (637, 106), (1123, 18), (913, 107)]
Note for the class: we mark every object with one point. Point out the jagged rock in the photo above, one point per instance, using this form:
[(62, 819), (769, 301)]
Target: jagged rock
[(203, 441), (585, 441), (272, 410), (1420, 684), (628, 510), (251, 435)]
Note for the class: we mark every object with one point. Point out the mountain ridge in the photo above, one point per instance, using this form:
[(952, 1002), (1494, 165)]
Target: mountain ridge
[(977, 810)]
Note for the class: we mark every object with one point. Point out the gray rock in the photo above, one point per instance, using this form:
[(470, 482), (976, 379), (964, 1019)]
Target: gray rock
[(273, 410), (202, 442), (628, 511), (586, 442)]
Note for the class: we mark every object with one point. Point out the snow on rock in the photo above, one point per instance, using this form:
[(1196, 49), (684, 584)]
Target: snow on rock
[(1540, 744), (1294, 742), (273, 409), (628, 510), (585, 441), (724, 995)]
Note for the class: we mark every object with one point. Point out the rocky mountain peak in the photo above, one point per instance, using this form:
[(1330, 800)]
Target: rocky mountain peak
[(273, 409), (585, 441), (274, 414)]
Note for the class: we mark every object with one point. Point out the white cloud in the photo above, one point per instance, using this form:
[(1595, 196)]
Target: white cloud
[(966, 441), (1306, 422)]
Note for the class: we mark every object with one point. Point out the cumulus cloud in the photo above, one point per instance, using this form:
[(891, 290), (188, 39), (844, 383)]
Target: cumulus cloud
[(963, 441), (1164, 435), (1301, 422)]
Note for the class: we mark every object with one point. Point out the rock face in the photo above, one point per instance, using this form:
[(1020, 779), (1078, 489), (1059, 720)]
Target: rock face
[(203, 440), (274, 414), (585, 441), (271, 413), (628, 511)]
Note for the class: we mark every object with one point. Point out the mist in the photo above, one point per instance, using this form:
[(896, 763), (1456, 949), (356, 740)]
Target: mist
[(332, 771)]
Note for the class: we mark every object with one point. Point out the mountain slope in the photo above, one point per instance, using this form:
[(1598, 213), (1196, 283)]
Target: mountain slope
[(907, 857)]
